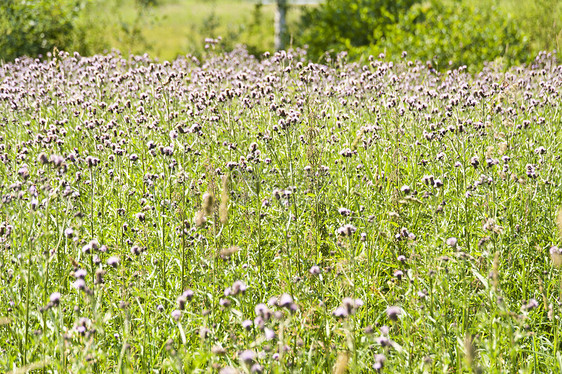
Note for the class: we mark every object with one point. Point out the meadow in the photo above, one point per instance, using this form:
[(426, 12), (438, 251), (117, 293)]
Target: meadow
[(236, 214)]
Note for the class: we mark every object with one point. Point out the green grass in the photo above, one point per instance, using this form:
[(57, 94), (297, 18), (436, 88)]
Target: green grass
[(178, 27), (126, 183)]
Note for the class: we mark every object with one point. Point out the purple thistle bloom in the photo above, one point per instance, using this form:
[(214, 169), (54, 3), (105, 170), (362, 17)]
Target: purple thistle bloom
[(393, 312), (285, 300), (247, 357)]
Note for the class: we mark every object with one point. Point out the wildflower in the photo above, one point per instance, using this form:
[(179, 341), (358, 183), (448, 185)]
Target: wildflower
[(218, 350), (247, 357), (314, 270), (113, 261), (87, 248), (80, 284), (451, 242), (99, 276), (285, 300), (176, 314), (238, 287), (263, 311), (532, 304), (346, 230), (344, 212), (269, 334), (227, 252), (247, 324), (188, 294), (379, 362), (340, 312), (393, 312), (54, 299), (228, 370), (80, 274), (181, 301), (540, 150), (42, 158)]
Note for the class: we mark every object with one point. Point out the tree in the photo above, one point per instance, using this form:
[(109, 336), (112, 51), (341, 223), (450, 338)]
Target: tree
[(280, 24)]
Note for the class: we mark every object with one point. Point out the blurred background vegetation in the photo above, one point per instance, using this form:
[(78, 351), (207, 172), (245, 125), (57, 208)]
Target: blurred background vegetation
[(447, 33)]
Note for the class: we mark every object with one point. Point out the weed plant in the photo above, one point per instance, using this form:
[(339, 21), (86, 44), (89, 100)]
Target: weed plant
[(241, 215)]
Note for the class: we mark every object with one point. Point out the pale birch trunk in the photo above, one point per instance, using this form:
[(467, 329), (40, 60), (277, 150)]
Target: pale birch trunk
[(280, 24)]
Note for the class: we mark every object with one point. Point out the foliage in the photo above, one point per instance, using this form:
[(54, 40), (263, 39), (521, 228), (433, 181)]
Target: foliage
[(541, 20), (337, 25), (34, 27), (454, 34), (435, 30)]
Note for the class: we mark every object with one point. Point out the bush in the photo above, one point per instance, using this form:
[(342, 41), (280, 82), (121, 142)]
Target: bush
[(447, 34), (34, 27), (450, 35), (338, 25)]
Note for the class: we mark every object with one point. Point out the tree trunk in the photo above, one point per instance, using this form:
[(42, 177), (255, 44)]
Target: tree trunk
[(280, 24)]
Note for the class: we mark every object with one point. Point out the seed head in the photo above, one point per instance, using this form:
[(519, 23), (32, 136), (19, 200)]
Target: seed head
[(208, 201)]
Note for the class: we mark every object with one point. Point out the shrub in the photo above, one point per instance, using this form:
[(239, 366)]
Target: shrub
[(450, 35), (338, 25), (34, 27), (447, 34)]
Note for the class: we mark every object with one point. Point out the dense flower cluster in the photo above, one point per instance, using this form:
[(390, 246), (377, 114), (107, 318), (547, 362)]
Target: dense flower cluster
[(257, 215)]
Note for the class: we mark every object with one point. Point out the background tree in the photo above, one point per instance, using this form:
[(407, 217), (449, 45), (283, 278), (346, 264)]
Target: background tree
[(280, 24)]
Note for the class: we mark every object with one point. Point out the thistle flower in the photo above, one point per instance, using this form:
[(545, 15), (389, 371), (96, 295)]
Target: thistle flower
[(532, 304), (80, 274), (54, 299), (181, 301), (452, 242), (218, 350), (247, 324), (346, 230), (393, 312), (176, 314), (247, 357), (379, 362), (80, 284), (344, 212), (113, 261), (314, 270), (285, 300), (42, 158)]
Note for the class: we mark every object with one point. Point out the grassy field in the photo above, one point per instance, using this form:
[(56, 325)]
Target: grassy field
[(177, 27), (237, 215)]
